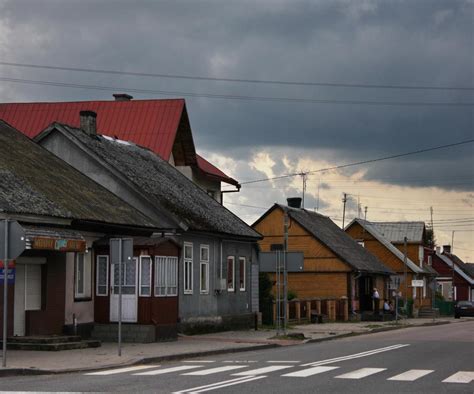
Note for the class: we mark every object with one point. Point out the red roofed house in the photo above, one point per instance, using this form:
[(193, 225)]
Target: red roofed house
[(159, 125)]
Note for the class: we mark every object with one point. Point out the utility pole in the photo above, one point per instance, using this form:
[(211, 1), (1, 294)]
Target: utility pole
[(304, 176), (365, 212), (452, 268), (344, 200), (406, 273), (285, 273), (319, 186), (432, 229)]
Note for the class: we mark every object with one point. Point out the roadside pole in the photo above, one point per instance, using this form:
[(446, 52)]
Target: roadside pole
[(406, 273), (5, 297), (119, 341), (285, 275)]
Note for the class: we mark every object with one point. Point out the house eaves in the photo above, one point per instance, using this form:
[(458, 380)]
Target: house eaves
[(458, 270)]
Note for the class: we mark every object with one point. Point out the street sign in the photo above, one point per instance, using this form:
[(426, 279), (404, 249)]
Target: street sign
[(11, 272), (16, 239), (267, 261), (417, 283)]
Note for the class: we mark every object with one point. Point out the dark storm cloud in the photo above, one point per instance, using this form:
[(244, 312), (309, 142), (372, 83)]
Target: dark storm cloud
[(397, 42)]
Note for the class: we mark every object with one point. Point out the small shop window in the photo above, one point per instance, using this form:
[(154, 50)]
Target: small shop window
[(242, 273), (166, 276), (82, 280), (231, 273), (102, 276), (145, 276)]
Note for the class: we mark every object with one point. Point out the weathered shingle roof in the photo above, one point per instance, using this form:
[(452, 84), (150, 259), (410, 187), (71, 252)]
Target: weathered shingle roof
[(151, 123), (34, 181), (373, 230), (395, 232), (448, 260), (468, 269), (328, 233), (163, 184)]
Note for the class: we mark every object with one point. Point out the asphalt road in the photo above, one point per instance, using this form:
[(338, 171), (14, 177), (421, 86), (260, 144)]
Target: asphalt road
[(434, 359)]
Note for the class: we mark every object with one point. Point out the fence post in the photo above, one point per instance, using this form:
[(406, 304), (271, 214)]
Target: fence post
[(298, 310), (345, 308), (318, 307), (308, 310)]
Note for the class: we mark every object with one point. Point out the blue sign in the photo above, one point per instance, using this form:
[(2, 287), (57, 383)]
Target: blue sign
[(11, 275)]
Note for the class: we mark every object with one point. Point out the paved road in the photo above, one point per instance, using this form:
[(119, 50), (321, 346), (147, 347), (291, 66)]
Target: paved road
[(418, 360)]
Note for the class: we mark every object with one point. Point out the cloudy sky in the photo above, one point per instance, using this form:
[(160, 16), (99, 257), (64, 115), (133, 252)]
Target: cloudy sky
[(397, 44)]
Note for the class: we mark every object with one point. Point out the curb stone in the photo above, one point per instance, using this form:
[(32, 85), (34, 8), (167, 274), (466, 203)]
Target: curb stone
[(174, 357)]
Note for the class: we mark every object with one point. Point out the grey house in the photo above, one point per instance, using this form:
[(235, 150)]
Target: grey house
[(218, 267)]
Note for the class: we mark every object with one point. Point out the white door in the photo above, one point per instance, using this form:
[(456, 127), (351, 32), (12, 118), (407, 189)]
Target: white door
[(129, 291), (27, 294)]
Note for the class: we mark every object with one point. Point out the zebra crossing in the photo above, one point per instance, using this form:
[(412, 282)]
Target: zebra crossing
[(242, 372)]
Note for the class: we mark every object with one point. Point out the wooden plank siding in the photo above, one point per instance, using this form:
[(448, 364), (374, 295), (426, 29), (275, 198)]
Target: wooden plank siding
[(325, 274)]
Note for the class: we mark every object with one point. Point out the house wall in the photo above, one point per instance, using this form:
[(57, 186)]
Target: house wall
[(413, 252), (203, 182), (325, 274), (219, 308)]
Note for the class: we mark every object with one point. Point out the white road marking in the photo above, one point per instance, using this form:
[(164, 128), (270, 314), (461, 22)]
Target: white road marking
[(167, 370), (283, 362), (356, 355), (309, 372), (204, 372), (122, 370), (240, 361), (411, 375), (199, 361), (260, 371), (218, 385), (460, 377), (360, 373)]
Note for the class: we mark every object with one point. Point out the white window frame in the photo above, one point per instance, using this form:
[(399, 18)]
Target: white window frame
[(140, 294), (188, 261), (106, 276), (204, 264), (167, 283), (172, 260), (231, 289), (244, 271), (86, 293)]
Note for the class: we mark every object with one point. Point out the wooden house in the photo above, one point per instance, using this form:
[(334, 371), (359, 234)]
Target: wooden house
[(386, 242), (449, 268), (215, 274), (335, 265), (63, 213)]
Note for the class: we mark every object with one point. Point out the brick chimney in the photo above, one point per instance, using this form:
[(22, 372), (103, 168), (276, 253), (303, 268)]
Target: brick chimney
[(122, 97), (446, 248), (89, 122)]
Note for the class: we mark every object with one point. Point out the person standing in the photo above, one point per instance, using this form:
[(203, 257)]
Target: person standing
[(376, 297)]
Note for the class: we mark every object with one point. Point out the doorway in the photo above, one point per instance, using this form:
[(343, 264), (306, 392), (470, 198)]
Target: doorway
[(365, 293), (129, 291)]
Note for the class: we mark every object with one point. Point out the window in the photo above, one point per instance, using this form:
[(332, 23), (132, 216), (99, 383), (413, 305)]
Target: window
[(82, 272), (166, 276), (102, 276), (231, 273), (145, 276), (188, 268), (204, 269), (242, 273)]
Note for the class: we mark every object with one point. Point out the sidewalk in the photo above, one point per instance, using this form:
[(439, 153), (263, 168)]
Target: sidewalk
[(31, 362)]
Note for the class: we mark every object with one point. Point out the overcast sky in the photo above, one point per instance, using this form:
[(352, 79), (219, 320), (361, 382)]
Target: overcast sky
[(407, 43)]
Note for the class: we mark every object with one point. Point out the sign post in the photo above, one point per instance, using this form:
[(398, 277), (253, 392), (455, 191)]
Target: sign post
[(121, 251), (13, 245)]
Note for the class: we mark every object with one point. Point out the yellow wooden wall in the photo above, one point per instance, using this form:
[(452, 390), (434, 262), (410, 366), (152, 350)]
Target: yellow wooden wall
[(325, 274)]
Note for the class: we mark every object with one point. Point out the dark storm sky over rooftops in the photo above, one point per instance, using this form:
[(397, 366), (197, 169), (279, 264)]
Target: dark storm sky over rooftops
[(399, 43)]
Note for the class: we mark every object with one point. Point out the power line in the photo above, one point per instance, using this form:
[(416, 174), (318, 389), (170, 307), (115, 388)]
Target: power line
[(237, 97), (237, 80), (361, 162)]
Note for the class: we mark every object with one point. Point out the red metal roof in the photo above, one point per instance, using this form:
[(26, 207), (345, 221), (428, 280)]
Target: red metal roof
[(210, 169), (149, 123)]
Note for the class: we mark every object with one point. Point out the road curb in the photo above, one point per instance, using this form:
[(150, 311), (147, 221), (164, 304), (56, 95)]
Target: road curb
[(144, 360)]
